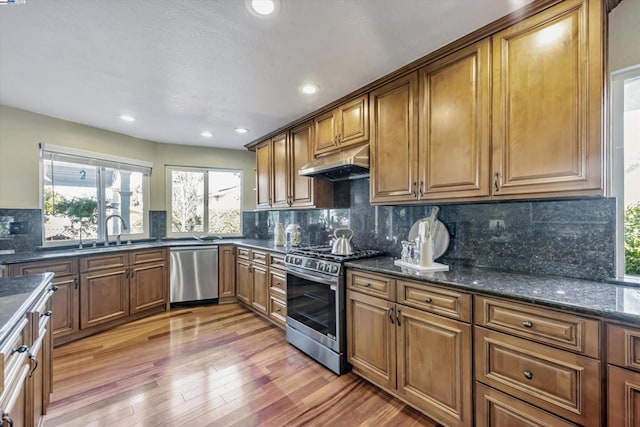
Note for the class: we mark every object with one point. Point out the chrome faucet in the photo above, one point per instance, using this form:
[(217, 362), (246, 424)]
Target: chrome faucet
[(106, 229)]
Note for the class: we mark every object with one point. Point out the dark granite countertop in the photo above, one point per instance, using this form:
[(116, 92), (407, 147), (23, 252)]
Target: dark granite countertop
[(49, 254), (17, 294), (582, 296)]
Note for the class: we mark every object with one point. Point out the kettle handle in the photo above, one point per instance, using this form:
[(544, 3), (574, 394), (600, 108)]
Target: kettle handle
[(335, 233)]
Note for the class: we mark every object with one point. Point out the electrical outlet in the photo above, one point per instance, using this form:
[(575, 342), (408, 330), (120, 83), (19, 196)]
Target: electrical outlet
[(496, 225), (19, 227)]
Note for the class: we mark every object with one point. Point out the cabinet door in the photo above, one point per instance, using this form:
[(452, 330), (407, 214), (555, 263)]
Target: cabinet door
[(547, 102), (13, 401), (226, 273), (263, 175), (394, 141), (104, 296), (148, 286), (324, 133), (244, 283), (371, 338), (623, 407), (454, 125), (260, 295), (353, 122), (434, 365), (300, 154), (65, 306), (279, 172)]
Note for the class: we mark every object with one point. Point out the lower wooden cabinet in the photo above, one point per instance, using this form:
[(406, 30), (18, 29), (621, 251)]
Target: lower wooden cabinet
[(104, 296), (65, 306), (496, 409), (421, 357), (146, 286), (260, 283), (244, 278), (226, 273)]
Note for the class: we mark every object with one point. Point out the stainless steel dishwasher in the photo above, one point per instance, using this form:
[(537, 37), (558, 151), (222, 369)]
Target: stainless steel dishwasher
[(194, 274)]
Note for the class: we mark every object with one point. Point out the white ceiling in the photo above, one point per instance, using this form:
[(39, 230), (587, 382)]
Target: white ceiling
[(184, 66)]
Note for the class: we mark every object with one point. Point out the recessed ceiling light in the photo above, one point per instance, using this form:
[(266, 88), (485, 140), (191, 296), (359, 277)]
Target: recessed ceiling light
[(309, 89), (241, 130), (263, 8), (206, 134), (127, 118)]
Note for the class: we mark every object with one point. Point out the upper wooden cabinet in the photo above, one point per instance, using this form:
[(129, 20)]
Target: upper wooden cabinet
[(263, 175), (344, 126), (278, 184), (548, 103), (454, 121), (394, 141)]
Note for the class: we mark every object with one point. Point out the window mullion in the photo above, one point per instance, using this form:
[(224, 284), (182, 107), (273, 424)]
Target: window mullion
[(102, 208), (205, 220)]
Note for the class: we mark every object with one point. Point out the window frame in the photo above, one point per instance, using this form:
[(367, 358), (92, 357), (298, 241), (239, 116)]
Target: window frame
[(616, 154), (169, 199), (101, 161)]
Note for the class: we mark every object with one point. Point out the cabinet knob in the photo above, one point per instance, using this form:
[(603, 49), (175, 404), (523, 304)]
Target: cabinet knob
[(528, 374), (428, 300), (367, 285), (47, 313), (20, 349), (54, 288), (527, 324)]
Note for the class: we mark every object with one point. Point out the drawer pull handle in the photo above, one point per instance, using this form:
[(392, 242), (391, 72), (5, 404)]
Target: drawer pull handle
[(367, 285), (391, 315), (398, 314), (33, 359), (428, 299), (47, 313), (528, 374), (527, 324), (7, 419), (277, 310), (20, 349)]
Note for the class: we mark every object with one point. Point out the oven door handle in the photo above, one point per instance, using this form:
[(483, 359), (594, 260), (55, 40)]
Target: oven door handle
[(333, 282)]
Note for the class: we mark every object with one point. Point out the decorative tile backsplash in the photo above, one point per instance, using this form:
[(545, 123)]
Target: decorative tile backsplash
[(573, 238)]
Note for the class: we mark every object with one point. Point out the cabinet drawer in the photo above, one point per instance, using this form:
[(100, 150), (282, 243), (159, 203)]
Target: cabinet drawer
[(100, 262), (277, 261), (277, 310), (564, 330), (623, 346), (13, 354), (151, 255), (41, 313), (244, 253), (259, 257), (434, 299), (62, 267), (494, 408), (558, 381), (277, 282), (372, 284)]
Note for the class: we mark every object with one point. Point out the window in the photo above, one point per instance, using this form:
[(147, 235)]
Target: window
[(186, 190), (625, 136), (81, 190)]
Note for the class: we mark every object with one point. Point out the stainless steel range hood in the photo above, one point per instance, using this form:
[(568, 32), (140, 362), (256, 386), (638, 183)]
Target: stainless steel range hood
[(351, 163)]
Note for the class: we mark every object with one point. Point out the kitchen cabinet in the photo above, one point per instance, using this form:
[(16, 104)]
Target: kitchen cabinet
[(277, 310), (342, 127), (394, 141), (422, 357), (279, 185), (25, 363), (226, 273), (548, 103), (547, 359), (623, 384), (252, 284), (263, 175), (98, 290), (454, 126), (65, 304)]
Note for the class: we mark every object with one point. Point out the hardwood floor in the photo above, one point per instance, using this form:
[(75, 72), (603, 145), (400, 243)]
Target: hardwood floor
[(218, 365)]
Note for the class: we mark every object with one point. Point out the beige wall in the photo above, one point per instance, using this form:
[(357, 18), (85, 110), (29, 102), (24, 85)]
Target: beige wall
[(21, 131), (624, 35)]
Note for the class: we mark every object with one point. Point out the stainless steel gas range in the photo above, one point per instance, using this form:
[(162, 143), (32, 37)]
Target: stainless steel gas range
[(316, 318)]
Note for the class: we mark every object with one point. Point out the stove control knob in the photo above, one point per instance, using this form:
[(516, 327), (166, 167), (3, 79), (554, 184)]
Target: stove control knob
[(334, 269), (298, 261)]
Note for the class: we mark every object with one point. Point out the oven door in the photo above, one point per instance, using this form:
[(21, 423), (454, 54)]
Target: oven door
[(314, 306)]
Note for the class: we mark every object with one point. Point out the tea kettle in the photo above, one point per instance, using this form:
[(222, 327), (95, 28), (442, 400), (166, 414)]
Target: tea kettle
[(342, 245)]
